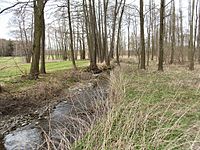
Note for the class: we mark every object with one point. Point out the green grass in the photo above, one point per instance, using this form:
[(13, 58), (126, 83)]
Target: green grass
[(13, 67), (149, 110)]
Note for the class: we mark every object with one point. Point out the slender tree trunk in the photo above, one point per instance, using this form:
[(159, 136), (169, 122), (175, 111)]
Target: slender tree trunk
[(118, 34), (142, 40), (116, 12), (105, 40), (181, 28), (191, 46), (173, 40), (42, 67), (71, 36), (152, 30), (129, 21), (83, 42), (162, 12), (195, 31), (113, 33), (198, 40), (93, 35)]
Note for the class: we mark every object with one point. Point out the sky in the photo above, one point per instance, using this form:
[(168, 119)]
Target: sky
[(4, 20), (5, 17)]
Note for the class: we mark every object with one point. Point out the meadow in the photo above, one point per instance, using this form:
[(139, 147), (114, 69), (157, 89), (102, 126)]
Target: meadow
[(149, 110), (12, 67)]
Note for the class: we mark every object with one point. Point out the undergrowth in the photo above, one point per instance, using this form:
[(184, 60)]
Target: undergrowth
[(148, 110)]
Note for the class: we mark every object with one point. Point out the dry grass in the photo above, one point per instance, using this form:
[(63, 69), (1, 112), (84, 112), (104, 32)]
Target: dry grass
[(144, 110), (148, 110), (85, 110)]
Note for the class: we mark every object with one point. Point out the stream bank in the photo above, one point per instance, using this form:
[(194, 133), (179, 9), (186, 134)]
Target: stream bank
[(66, 121)]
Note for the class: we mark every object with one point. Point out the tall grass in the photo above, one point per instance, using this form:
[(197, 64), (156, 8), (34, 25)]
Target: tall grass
[(146, 111), (82, 112)]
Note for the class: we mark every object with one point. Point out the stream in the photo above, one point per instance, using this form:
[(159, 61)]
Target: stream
[(66, 122)]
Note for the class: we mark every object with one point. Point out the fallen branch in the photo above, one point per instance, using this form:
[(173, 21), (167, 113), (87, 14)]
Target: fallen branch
[(5, 67)]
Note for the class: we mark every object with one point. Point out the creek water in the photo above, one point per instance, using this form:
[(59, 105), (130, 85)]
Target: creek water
[(65, 121)]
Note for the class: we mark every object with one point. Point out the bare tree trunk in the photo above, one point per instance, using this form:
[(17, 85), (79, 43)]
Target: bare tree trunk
[(142, 40), (118, 34), (195, 31), (173, 40), (181, 28), (152, 31), (149, 22), (198, 40), (116, 12), (38, 10), (191, 46), (162, 12), (83, 42), (71, 35), (129, 22), (93, 33), (105, 40), (113, 31), (42, 67)]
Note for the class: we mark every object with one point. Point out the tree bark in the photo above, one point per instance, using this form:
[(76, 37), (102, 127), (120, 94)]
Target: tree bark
[(71, 35), (191, 46), (43, 68), (162, 12), (142, 40), (118, 34), (173, 40), (105, 40), (38, 9)]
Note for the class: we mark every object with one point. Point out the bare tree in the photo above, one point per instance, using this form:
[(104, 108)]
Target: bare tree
[(71, 35), (142, 40), (105, 37), (173, 40), (42, 67), (191, 41), (198, 40), (115, 14), (181, 28), (38, 6), (119, 30), (162, 15)]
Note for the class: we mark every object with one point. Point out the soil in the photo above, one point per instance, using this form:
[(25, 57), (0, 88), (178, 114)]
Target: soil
[(1, 90), (23, 107)]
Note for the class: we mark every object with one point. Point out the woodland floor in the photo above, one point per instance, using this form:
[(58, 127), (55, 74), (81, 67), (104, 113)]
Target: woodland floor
[(19, 106), (150, 110), (21, 98), (175, 86)]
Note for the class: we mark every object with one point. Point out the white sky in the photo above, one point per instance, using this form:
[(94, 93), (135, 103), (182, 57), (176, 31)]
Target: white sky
[(5, 17)]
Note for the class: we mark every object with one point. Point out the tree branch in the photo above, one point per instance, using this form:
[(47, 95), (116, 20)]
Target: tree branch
[(14, 5)]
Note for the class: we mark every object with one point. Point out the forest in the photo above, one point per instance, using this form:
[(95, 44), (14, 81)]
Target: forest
[(100, 74)]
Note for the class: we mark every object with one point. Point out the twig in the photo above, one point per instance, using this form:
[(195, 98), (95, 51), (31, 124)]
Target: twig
[(18, 66), (14, 5)]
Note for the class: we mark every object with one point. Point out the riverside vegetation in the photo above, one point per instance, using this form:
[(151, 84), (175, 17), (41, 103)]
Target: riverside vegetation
[(146, 109), (149, 110)]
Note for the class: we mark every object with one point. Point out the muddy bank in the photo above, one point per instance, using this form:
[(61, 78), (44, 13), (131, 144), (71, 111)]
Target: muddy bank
[(21, 107), (63, 123)]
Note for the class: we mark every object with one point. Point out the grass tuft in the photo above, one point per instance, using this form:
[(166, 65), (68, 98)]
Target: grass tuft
[(148, 110)]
